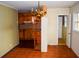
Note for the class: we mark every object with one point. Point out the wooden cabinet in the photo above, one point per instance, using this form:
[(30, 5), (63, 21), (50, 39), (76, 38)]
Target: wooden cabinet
[(29, 30), (24, 31), (24, 17)]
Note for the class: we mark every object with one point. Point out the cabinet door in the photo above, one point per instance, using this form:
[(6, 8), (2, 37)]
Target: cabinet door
[(28, 34)]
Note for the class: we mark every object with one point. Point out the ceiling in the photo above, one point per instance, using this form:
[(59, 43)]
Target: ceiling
[(27, 5)]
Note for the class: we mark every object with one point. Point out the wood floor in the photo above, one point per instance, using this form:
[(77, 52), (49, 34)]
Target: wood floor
[(60, 51), (61, 41)]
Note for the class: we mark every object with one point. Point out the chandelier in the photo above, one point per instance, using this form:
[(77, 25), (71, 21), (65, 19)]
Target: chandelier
[(40, 10)]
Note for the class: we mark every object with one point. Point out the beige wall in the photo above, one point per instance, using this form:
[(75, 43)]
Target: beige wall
[(53, 23), (8, 29), (75, 34)]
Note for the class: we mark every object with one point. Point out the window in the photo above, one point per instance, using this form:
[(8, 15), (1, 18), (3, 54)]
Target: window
[(76, 22)]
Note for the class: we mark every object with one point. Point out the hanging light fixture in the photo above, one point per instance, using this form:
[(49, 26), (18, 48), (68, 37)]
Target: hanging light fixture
[(40, 10)]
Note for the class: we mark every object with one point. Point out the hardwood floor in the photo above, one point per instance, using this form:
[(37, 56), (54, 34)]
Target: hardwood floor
[(60, 51), (61, 41)]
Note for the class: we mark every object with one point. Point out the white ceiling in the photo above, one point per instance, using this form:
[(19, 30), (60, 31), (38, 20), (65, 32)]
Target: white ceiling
[(27, 5)]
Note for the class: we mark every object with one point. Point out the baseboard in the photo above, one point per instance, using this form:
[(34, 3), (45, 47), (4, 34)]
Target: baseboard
[(74, 52), (10, 50), (52, 44)]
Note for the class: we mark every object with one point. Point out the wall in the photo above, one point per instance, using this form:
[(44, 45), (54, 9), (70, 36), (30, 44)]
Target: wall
[(44, 32), (8, 29), (75, 34), (53, 23)]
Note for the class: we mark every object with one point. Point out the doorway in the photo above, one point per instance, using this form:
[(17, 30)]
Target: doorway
[(62, 29)]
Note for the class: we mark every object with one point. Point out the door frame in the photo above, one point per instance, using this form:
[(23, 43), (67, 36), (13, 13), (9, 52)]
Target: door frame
[(71, 18), (68, 18)]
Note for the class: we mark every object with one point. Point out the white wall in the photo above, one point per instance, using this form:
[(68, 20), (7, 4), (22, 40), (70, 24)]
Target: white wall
[(75, 34), (8, 29), (44, 32), (53, 23)]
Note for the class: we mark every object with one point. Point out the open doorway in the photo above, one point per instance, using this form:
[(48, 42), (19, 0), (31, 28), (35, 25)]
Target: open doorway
[(62, 29)]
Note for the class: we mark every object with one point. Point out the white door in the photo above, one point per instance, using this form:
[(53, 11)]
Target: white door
[(59, 27), (68, 40)]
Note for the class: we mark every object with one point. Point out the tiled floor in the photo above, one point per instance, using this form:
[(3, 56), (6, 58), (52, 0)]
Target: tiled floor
[(53, 52)]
